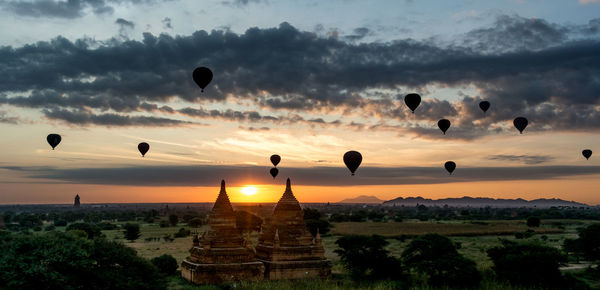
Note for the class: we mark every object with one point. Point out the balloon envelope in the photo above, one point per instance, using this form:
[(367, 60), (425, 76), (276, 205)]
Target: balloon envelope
[(412, 101), (444, 124), (202, 76), (587, 153), (143, 148), (275, 159), (450, 166), (53, 140), (352, 159), (520, 123), (274, 171), (484, 106)]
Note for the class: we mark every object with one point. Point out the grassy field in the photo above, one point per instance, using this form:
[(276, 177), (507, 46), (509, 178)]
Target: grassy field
[(474, 238)]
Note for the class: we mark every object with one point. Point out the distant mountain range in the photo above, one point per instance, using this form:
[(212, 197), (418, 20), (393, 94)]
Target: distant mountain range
[(362, 199), (482, 202)]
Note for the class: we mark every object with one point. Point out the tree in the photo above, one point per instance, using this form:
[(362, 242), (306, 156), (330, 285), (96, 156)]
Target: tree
[(91, 230), (436, 257), (314, 221), (366, 258), (132, 231), (528, 264), (533, 222), (57, 260), (173, 219), (165, 264)]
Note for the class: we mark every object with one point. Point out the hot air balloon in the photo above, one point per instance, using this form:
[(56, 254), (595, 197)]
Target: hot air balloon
[(450, 166), (412, 101), (143, 148), (587, 153), (444, 124), (274, 171), (520, 123), (275, 159), (352, 159), (53, 140), (202, 77), (484, 105)]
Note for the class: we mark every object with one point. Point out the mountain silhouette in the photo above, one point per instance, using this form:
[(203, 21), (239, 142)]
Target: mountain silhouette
[(482, 202), (362, 199)]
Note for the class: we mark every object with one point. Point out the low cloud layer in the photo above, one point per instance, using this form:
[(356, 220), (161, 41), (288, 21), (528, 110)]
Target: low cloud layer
[(210, 175)]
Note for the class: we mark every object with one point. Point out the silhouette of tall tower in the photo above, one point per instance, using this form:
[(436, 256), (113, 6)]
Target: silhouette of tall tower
[(77, 203)]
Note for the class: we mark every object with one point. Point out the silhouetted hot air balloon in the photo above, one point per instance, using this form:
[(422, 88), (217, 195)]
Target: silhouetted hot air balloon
[(444, 124), (53, 140), (274, 171), (450, 166), (587, 153), (520, 123), (412, 101), (143, 148), (484, 105), (202, 77), (275, 159), (352, 159)]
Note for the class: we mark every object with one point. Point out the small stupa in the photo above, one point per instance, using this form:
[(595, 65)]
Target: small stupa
[(221, 254), (287, 248), (77, 202)]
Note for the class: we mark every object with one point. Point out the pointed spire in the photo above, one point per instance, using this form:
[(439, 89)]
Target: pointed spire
[(222, 201), (288, 186), (222, 186)]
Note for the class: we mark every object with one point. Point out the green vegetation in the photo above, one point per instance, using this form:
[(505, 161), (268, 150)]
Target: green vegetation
[(132, 231)]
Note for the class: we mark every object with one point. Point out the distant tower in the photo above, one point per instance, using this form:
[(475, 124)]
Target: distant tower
[(77, 203)]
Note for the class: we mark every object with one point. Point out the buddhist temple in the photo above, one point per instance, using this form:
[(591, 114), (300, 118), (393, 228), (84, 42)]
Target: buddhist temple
[(287, 248), (221, 254), (77, 202)]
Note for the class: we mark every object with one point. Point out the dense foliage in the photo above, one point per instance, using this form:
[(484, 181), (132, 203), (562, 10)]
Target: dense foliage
[(530, 264), (435, 257), (57, 260), (131, 231), (314, 220), (165, 264), (366, 258)]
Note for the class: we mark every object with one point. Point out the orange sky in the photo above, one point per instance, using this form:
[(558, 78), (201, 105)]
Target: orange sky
[(587, 192)]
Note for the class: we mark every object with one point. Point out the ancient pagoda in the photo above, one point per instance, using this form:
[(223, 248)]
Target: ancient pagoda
[(221, 254), (287, 248), (77, 202)]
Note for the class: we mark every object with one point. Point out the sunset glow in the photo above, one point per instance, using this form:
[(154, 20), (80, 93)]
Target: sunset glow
[(249, 190)]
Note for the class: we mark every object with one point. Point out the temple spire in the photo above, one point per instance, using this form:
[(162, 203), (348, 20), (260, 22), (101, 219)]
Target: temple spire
[(222, 186), (288, 185)]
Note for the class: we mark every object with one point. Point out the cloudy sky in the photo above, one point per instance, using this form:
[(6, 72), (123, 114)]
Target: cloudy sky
[(308, 80)]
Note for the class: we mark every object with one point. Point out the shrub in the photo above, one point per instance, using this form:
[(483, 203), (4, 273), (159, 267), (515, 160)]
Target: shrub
[(182, 233), (165, 264), (60, 223)]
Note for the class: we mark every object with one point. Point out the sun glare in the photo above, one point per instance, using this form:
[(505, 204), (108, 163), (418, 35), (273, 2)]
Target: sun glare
[(249, 190)]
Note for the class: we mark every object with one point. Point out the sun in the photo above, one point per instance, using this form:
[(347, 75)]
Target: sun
[(249, 190)]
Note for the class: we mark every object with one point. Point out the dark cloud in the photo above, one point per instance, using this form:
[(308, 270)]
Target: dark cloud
[(527, 159), (548, 77), (210, 175), (85, 117), (64, 8), (358, 34)]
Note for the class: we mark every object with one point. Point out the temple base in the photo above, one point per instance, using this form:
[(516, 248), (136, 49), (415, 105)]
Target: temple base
[(307, 269), (220, 273)]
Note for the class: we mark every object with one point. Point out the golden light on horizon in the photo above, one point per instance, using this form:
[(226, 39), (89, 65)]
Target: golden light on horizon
[(249, 190)]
